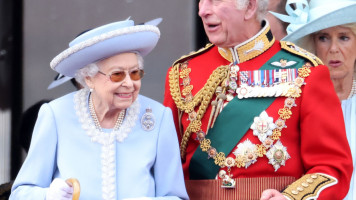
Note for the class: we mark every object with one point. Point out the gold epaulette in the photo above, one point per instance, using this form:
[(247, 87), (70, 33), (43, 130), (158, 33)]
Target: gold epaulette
[(309, 186), (193, 53), (291, 47)]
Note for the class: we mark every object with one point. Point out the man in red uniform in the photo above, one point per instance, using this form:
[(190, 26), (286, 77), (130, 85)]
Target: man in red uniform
[(258, 118)]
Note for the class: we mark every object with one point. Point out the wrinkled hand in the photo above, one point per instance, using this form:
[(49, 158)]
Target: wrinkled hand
[(59, 190), (272, 194)]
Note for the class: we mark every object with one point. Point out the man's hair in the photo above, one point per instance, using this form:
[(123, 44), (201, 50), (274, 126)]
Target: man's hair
[(261, 9)]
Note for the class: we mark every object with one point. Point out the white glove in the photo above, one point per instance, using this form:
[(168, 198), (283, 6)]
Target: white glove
[(59, 190)]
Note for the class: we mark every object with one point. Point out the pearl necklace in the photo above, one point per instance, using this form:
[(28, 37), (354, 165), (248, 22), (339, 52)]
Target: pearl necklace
[(119, 120), (81, 101), (353, 89), (91, 126)]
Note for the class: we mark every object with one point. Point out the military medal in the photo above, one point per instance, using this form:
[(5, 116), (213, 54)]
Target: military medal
[(262, 126), (148, 120), (278, 155), (227, 180)]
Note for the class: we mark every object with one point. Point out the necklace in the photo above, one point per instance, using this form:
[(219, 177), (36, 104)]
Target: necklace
[(91, 126), (82, 104), (119, 120), (353, 89)]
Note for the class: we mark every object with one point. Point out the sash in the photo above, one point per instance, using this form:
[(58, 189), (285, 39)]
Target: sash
[(232, 124), (234, 120)]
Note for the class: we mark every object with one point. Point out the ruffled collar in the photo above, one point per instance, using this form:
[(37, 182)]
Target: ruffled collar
[(82, 111)]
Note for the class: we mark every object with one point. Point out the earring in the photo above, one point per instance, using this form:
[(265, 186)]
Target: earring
[(91, 89)]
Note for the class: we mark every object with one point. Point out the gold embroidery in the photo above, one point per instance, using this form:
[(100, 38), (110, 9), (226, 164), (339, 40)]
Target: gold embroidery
[(284, 114), (309, 186), (291, 47), (251, 49)]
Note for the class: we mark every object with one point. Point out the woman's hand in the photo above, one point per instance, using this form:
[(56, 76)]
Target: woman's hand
[(59, 190), (271, 194)]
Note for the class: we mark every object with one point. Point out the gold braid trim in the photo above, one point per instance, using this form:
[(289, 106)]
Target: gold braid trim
[(309, 186), (193, 53), (285, 113), (291, 47), (203, 97)]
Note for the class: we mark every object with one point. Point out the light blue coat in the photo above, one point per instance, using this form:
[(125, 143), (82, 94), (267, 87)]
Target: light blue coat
[(147, 162)]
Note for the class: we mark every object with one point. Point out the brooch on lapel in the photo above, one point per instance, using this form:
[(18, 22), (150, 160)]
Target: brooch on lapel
[(283, 63), (148, 120)]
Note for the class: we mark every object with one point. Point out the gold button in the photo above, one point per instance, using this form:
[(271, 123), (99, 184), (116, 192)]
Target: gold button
[(294, 192), (314, 176), (300, 189), (305, 185)]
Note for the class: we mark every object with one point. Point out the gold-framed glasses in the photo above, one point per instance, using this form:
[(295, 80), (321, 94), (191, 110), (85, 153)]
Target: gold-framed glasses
[(119, 76)]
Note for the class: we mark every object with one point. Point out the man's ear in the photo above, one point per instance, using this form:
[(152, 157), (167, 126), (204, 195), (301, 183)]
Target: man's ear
[(251, 9)]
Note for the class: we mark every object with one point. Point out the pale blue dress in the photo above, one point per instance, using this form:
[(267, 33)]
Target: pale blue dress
[(143, 163), (349, 110)]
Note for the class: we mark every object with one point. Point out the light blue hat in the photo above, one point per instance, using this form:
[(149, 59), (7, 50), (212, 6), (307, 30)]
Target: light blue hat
[(306, 18), (105, 41), (58, 80)]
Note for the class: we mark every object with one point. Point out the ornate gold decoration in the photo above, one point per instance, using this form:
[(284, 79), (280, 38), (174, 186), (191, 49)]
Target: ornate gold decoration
[(192, 54), (240, 161), (304, 72), (187, 90), (276, 134), (261, 150), (250, 49), (309, 186), (220, 159), (291, 47), (285, 113), (185, 73), (205, 145), (203, 97)]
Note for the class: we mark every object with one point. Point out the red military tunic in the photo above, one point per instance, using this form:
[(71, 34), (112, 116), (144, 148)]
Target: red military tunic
[(316, 159)]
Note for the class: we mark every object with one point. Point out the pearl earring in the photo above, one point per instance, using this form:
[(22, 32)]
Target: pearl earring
[(91, 90)]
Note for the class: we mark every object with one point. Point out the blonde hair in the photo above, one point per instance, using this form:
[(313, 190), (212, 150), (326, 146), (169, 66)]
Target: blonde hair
[(308, 43)]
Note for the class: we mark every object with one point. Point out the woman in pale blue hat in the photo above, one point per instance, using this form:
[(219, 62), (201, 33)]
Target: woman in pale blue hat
[(113, 142), (328, 29)]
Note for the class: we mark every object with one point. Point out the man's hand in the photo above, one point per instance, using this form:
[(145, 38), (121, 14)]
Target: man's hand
[(272, 194)]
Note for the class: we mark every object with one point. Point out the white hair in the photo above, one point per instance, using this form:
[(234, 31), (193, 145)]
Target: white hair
[(262, 6), (92, 69)]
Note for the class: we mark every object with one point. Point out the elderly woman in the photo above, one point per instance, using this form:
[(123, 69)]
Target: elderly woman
[(115, 142), (328, 29)]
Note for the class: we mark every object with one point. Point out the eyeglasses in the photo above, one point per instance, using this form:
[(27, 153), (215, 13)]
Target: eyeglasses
[(120, 75)]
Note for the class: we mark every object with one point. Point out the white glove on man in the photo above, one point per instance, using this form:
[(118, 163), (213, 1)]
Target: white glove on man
[(59, 190)]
